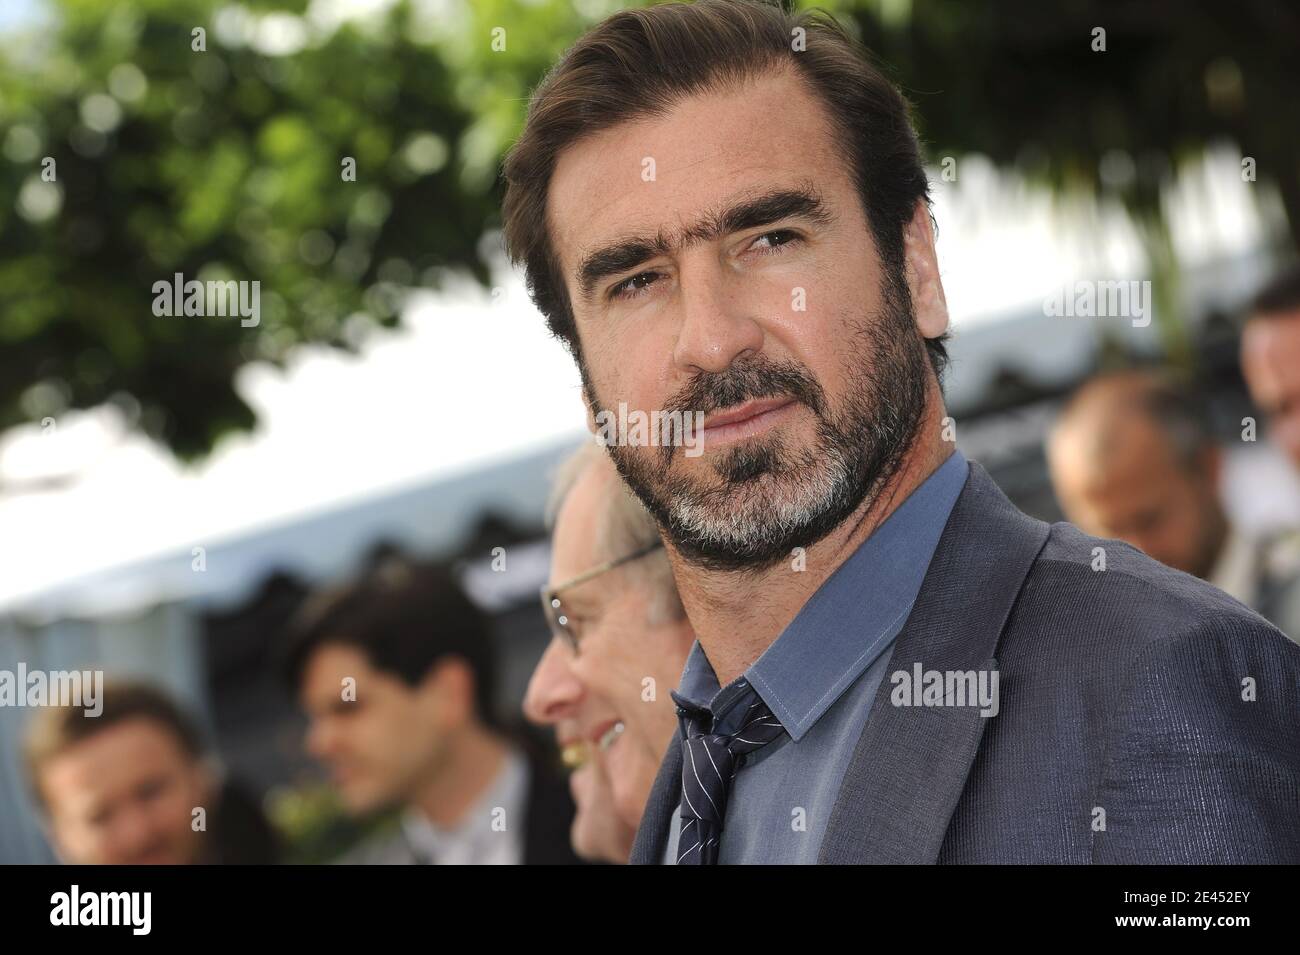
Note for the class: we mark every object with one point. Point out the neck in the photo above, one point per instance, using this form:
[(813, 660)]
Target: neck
[(739, 614), (469, 766)]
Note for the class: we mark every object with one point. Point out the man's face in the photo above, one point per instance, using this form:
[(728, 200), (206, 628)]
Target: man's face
[(1139, 492), (783, 327), (126, 796), (621, 677), (1270, 360), (380, 745)]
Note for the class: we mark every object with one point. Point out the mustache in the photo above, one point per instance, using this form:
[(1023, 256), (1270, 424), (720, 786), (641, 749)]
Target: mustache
[(756, 378)]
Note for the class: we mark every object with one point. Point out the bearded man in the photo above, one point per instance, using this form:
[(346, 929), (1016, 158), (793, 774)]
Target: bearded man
[(721, 208)]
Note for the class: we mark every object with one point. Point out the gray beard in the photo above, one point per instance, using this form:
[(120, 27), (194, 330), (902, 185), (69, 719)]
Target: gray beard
[(772, 499)]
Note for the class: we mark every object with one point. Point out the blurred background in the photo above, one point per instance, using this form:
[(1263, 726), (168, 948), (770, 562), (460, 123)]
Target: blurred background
[(172, 488)]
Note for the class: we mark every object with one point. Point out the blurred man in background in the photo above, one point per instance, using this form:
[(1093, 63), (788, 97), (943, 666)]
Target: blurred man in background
[(395, 673), (133, 786), (620, 641), (1132, 457), (1270, 358), (1270, 362)]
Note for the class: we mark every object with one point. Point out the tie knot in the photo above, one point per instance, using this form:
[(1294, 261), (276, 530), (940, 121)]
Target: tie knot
[(758, 728), (746, 723)]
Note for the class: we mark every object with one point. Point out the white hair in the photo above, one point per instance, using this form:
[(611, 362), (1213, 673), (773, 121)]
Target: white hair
[(623, 526)]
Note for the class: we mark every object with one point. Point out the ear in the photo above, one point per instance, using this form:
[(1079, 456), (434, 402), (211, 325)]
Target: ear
[(448, 687), (923, 273)]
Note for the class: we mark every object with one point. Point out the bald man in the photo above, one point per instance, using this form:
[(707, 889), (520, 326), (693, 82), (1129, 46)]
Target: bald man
[(1131, 457)]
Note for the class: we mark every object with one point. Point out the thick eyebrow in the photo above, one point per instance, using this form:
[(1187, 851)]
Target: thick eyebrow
[(627, 253)]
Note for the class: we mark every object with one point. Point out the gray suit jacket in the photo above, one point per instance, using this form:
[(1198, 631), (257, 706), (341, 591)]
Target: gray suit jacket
[(1145, 716)]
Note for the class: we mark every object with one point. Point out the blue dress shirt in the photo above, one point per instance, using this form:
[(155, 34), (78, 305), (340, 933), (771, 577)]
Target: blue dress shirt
[(820, 677)]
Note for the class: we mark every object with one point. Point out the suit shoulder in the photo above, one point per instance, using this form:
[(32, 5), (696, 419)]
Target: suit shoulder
[(1115, 590)]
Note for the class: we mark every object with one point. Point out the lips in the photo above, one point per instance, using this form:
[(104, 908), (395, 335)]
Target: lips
[(745, 412), (746, 420), (576, 752)]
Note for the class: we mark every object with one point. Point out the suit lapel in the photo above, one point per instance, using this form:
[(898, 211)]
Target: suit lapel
[(911, 762), (660, 809)]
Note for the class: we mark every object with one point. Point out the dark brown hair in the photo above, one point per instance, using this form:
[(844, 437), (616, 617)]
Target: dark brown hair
[(56, 729), (640, 62), (405, 616), (1281, 294)]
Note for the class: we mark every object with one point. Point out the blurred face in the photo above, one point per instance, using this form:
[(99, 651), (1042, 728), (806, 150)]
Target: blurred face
[(611, 699), (382, 746), (777, 319), (1141, 494), (126, 796), (1270, 360)]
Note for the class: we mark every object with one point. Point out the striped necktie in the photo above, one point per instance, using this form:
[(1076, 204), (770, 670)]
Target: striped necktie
[(709, 765)]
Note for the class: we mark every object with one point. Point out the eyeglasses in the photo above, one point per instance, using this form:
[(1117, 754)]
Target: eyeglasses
[(553, 607)]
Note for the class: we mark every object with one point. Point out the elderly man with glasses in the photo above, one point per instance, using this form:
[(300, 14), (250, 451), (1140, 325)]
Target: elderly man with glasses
[(619, 641)]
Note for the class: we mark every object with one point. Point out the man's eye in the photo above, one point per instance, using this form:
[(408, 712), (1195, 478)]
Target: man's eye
[(779, 238), (150, 790), (628, 288), (637, 285)]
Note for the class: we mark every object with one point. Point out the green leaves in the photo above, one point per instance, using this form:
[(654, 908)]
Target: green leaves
[(227, 162)]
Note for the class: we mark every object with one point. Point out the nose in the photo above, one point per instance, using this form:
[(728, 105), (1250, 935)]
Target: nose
[(716, 326), (554, 689)]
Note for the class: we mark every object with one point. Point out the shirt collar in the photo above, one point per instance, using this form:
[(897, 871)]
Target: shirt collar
[(508, 791), (851, 619)]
